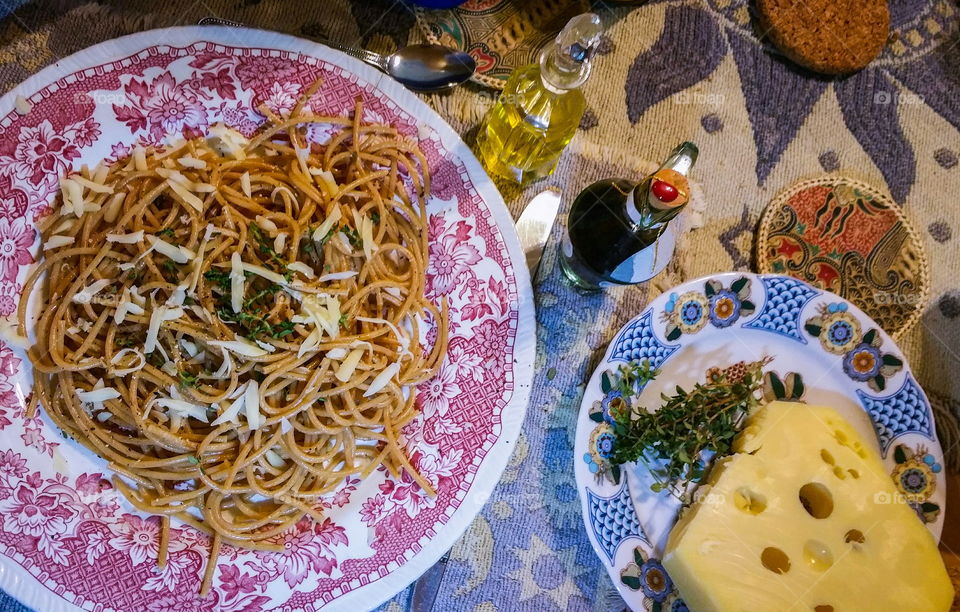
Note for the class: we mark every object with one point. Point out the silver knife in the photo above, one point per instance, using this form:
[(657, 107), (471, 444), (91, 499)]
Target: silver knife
[(535, 224), (533, 227)]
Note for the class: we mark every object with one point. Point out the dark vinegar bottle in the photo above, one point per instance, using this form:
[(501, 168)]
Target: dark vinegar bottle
[(619, 232)]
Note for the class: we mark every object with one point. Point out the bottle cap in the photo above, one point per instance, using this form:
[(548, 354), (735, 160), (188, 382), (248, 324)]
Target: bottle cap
[(566, 65)]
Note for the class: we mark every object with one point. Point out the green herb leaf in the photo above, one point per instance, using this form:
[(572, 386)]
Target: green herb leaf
[(187, 379), (219, 278)]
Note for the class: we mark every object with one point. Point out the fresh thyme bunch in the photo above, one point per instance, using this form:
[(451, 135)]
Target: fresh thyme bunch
[(689, 423)]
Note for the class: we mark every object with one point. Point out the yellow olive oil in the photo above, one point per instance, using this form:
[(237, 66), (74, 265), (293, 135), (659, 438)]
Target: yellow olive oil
[(529, 127), (536, 116)]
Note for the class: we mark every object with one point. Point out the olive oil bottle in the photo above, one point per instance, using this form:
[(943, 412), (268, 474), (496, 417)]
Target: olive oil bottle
[(538, 113)]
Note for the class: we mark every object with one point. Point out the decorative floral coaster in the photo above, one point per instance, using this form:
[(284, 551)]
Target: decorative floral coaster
[(847, 237), (500, 34)]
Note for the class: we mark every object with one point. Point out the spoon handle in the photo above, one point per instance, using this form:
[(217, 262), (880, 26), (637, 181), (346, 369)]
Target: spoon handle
[(374, 59)]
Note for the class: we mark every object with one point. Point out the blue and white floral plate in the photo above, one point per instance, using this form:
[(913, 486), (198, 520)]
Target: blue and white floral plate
[(824, 350)]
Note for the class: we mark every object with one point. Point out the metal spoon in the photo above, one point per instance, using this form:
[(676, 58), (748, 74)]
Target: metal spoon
[(420, 67)]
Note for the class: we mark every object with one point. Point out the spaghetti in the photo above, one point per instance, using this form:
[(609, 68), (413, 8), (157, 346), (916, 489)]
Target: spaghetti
[(235, 324)]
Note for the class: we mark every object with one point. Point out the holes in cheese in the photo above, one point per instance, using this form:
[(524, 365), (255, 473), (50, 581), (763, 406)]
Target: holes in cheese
[(817, 500), (775, 560), (854, 536), (749, 501), (854, 473), (817, 555), (722, 558), (839, 473)]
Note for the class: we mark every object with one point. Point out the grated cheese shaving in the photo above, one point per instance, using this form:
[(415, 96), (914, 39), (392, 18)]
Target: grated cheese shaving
[(140, 158), (302, 268), (233, 141), (237, 280), (326, 181), (251, 404), (131, 238), (192, 162), (280, 242), (98, 394), (91, 185), (245, 184), (382, 379), (178, 254), (113, 207), (226, 366), (274, 459), (55, 242), (337, 276), (327, 225), (341, 243), (349, 365), (183, 408), (86, 294), (72, 196), (364, 226), (402, 339), (231, 412), (185, 195), (266, 223), (270, 275), (177, 297), (240, 346), (265, 346)]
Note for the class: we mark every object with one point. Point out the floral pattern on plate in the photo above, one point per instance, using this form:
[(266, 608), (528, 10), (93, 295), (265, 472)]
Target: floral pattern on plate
[(689, 312), (839, 333), (66, 525), (715, 326)]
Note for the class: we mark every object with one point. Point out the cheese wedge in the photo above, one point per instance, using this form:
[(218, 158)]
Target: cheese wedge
[(804, 517)]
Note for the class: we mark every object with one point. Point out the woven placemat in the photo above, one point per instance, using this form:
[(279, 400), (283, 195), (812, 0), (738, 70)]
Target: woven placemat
[(850, 238), (501, 35)]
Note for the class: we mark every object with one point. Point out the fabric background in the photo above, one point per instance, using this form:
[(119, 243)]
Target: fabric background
[(668, 71)]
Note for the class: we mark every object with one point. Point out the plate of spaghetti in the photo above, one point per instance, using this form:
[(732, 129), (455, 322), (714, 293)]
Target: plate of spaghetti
[(268, 334)]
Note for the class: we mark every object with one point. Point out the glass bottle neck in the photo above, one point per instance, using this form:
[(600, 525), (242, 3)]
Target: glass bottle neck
[(643, 213)]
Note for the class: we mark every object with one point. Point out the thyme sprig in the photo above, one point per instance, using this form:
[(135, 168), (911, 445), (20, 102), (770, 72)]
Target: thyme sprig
[(674, 440)]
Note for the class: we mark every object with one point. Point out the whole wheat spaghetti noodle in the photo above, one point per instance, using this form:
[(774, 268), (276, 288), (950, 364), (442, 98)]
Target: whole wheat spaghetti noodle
[(235, 325)]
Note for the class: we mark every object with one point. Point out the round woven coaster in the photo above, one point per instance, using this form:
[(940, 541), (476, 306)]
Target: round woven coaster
[(849, 238), (500, 34), (828, 36)]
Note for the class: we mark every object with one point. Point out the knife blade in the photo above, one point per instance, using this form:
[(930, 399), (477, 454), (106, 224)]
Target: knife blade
[(534, 226), (428, 585)]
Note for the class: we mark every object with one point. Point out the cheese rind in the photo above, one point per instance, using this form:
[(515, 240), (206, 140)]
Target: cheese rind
[(804, 517)]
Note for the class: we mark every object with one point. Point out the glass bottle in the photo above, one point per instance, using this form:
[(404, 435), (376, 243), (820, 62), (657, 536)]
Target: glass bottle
[(538, 113), (619, 232)]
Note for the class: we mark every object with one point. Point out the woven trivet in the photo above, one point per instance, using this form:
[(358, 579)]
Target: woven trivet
[(849, 238), (828, 36), (501, 35)]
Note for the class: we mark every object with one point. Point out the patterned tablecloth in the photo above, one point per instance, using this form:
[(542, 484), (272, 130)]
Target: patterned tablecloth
[(668, 71)]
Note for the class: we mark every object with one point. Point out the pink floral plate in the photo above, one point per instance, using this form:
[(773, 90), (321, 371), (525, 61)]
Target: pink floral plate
[(68, 540)]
